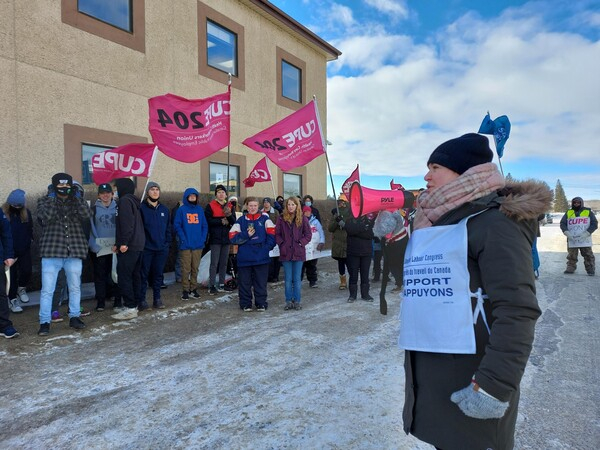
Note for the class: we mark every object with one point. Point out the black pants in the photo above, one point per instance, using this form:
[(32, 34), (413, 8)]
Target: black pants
[(153, 265), (4, 311), (20, 272), (253, 278), (129, 269), (310, 267), (356, 265), (103, 283), (394, 253), (274, 268)]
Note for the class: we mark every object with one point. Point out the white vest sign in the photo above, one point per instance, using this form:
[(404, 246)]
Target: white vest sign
[(436, 313)]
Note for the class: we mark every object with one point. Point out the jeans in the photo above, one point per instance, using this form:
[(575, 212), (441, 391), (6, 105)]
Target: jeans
[(293, 283), (50, 269)]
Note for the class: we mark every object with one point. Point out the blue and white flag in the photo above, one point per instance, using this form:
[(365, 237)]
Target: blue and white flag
[(500, 128)]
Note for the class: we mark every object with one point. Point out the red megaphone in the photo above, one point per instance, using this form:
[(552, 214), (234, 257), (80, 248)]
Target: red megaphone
[(365, 200)]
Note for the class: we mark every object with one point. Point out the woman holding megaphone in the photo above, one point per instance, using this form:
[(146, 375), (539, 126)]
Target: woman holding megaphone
[(468, 307)]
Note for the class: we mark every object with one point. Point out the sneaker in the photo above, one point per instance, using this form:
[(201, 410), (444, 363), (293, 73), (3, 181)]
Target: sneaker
[(14, 305), (213, 291), (22, 293), (228, 288), (83, 312), (367, 298), (261, 309), (288, 306), (396, 289), (351, 299), (158, 305), (100, 308), (56, 317), (126, 314), (77, 323), (163, 286), (194, 294), (297, 306), (569, 272), (143, 306), (221, 288), (313, 284), (248, 309), (118, 309), (185, 295), (9, 332), (44, 329)]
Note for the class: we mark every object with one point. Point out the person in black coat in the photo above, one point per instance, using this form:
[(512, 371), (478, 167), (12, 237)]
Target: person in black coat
[(359, 252)]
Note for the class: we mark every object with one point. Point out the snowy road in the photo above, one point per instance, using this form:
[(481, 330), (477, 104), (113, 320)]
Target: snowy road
[(207, 376)]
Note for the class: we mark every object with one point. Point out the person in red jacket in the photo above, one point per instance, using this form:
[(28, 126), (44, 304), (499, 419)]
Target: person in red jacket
[(220, 219)]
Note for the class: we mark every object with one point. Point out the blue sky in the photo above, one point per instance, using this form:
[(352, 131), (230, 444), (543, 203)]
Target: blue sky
[(416, 73)]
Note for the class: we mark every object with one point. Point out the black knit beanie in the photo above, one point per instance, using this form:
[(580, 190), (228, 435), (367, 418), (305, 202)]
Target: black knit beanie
[(462, 153), (220, 187), (62, 178)]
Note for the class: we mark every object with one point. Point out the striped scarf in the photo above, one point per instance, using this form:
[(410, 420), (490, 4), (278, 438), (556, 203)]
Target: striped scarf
[(475, 183)]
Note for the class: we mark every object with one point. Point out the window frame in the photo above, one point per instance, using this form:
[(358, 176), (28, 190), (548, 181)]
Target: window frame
[(75, 136), (281, 56), (220, 157), (205, 14), (238, 181), (135, 40), (301, 176)]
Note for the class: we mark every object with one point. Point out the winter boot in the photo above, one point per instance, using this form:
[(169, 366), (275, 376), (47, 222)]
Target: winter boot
[(353, 288), (343, 284)]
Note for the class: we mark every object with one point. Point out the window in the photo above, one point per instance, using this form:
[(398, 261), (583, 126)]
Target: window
[(292, 184), (114, 12), (119, 21), (291, 80), (218, 175), (83, 142), (220, 47), (87, 151)]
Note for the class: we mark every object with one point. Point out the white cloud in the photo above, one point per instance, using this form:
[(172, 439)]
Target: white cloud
[(341, 15), (407, 98), (394, 8)]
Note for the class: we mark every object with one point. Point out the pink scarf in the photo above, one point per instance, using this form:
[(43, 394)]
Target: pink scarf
[(475, 183)]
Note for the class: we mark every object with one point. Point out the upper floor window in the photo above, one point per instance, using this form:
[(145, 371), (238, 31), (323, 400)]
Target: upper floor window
[(115, 12), (218, 175), (221, 48), (291, 80), (119, 21)]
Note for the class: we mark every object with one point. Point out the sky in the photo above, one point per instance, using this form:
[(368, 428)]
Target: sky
[(414, 74)]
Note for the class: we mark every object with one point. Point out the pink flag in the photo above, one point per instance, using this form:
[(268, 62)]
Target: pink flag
[(293, 141), (259, 173), (190, 130), (354, 176), (396, 187), (130, 160)]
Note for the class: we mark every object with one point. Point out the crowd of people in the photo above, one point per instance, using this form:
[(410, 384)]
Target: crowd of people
[(468, 308)]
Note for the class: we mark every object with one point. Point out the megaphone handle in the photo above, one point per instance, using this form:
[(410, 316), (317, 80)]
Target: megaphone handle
[(384, 279)]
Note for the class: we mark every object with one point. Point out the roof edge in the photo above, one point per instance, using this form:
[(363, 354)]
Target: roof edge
[(293, 24)]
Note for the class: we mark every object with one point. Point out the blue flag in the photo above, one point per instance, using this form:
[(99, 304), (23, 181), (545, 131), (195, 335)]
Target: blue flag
[(500, 128)]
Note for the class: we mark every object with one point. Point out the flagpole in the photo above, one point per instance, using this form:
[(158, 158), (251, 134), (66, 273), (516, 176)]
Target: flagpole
[(149, 172), (272, 184), (496, 151), (325, 144), (229, 144)]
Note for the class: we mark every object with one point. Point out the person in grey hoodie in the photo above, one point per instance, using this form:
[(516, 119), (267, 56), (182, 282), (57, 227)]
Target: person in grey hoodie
[(103, 229)]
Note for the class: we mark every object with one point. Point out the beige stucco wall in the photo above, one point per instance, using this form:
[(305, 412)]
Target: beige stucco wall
[(53, 74)]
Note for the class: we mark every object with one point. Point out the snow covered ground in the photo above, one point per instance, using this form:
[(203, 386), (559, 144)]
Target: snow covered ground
[(208, 376)]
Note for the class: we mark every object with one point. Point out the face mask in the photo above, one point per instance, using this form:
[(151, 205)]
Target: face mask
[(63, 190), (308, 203)]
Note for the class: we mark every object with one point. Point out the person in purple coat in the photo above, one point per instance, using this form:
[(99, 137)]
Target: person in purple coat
[(292, 233)]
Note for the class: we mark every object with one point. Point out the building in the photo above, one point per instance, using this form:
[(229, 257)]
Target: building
[(76, 75)]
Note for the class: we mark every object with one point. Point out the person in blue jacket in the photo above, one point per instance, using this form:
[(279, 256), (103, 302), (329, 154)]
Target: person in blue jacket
[(6, 256), (254, 234), (191, 228), (157, 226)]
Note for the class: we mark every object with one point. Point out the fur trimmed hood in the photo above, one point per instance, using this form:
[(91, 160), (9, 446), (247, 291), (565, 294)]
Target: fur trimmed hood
[(525, 200)]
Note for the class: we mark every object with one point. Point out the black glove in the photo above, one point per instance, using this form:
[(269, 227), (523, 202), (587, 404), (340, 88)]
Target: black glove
[(338, 218)]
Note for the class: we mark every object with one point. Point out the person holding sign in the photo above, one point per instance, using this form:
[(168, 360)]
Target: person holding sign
[(469, 308), (102, 238), (578, 224)]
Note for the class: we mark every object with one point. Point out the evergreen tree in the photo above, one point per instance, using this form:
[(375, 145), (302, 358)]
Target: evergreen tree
[(509, 178), (560, 199)]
